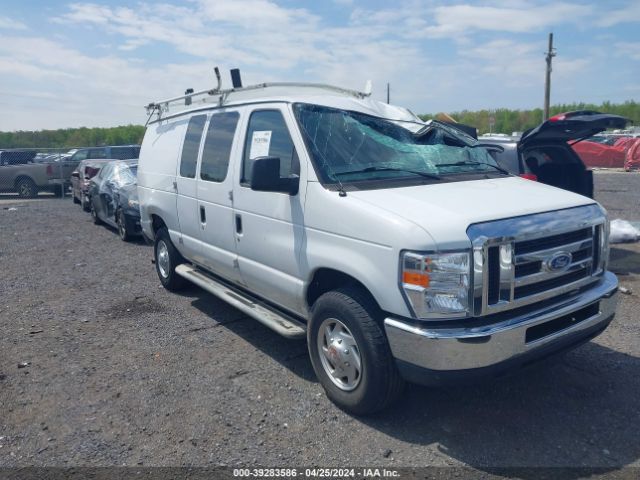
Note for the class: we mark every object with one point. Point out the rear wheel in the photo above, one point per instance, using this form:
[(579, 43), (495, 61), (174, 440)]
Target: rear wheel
[(26, 188), (84, 203), (350, 353), (94, 213), (124, 234), (167, 259)]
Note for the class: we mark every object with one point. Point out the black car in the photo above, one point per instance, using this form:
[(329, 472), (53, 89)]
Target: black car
[(121, 152), (544, 153), (113, 196)]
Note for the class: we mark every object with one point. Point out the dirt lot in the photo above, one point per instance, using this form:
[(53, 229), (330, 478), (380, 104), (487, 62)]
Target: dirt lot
[(121, 372)]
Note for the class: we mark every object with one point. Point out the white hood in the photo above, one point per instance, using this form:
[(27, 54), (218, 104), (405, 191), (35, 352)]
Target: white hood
[(446, 210)]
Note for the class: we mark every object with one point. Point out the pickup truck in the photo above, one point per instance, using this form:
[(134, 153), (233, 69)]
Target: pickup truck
[(20, 174), (398, 248)]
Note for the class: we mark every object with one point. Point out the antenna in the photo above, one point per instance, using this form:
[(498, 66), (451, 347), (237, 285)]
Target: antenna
[(236, 81), (187, 100), (368, 87)]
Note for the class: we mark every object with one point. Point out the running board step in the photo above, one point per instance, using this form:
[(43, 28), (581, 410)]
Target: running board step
[(278, 322)]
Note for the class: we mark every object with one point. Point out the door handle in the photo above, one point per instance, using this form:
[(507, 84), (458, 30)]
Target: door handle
[(238, 224), (203, 215)]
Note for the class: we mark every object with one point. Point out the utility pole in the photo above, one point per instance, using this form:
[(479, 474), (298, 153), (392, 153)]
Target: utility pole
[(547, 83), (388, 93)]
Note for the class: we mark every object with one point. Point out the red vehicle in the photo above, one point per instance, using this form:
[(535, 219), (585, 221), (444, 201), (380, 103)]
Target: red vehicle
[(632, 157), (81, 179)]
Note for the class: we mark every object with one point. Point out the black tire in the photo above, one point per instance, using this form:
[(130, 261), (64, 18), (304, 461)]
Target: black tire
[(167, 271), (121, 221), (379, 382), (26, 188), (94, 213), (76, 200)]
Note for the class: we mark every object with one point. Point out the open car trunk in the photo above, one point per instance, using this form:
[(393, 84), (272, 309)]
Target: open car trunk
[(558, 166), (546, 150)]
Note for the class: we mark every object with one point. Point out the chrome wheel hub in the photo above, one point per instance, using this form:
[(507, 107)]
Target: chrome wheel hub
[(162, 254), (339, 354), (121, 226)]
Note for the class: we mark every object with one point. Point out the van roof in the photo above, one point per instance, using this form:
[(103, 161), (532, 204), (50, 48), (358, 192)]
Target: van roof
[(317, 94)]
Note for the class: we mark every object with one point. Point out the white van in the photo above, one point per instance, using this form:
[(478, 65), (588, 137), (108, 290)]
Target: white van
[(397, 247)]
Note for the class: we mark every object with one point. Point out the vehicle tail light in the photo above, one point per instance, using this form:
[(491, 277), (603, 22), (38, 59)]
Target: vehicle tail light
[(529, 176), (558, 118), (49, 169)]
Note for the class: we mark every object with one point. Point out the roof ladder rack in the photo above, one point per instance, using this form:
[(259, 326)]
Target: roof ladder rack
[(163, 105)]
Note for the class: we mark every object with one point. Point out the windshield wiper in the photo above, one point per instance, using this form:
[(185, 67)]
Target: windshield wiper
[(390, 169), (500, 169)]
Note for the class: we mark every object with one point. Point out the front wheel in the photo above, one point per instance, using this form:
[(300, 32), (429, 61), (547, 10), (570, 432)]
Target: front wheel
[(123, 233), (167, 259), (94, 213), (350, 353)]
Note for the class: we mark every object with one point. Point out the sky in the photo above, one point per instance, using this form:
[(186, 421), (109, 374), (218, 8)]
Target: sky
[(67, 64)]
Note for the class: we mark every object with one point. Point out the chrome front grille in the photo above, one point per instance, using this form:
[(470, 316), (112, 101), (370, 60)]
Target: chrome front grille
[(528, 259), (532, 275)]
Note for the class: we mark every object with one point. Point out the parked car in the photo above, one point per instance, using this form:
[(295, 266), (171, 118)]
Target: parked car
[(544, 154), (113, 197), (398, 248), (81, 180), (20, 173), (121, 152)]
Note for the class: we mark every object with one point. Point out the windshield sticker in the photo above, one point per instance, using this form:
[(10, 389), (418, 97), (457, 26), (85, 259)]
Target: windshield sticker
[(260, 142)]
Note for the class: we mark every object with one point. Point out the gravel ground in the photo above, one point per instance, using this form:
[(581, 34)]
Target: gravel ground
[(121, 372)]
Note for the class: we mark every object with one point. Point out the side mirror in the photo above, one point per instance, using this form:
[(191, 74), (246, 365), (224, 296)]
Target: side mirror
[(265, 177), (75, 174)]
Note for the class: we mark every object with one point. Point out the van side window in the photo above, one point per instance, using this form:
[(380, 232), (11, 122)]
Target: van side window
[(189, 157), (268, 135), (217, 146)]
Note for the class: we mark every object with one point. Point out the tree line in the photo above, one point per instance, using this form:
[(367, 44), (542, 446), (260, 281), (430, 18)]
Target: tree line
[(73, 137), (507, 120), (504, 121)]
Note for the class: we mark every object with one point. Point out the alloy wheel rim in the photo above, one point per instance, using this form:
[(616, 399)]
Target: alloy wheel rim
[(162, 254), (339, 354), (121, 227)]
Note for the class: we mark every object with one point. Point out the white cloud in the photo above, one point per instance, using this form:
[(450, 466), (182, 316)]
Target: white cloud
[(7, 23), (629, 50), (492, 58), (522, 17), (627, 14)]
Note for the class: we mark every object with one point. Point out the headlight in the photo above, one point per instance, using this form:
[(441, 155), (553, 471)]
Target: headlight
[(133, 203), (436, 284)]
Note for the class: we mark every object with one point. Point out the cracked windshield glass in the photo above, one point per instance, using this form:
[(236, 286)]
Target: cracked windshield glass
[(353, 147)]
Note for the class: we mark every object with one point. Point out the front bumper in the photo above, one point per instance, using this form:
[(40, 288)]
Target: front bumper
[(429, 355)]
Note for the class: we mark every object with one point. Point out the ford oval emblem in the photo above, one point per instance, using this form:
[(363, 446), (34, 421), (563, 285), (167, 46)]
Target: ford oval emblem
[(558, 262)]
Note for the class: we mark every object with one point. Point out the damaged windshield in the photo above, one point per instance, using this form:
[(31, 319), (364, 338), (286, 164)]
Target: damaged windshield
[(350, 146)]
